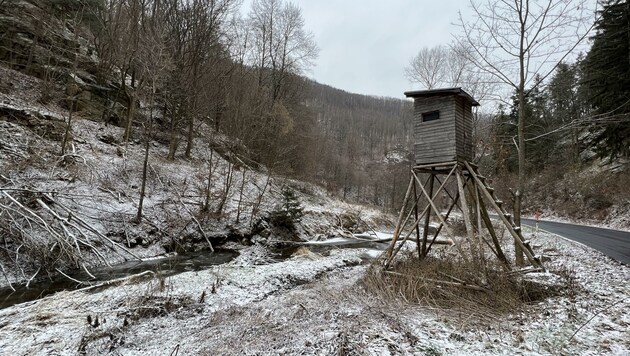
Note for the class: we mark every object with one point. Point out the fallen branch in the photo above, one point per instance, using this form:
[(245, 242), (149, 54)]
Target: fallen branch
[(91, 229), (63, 222), (70, 278), (33, 277), (525, 271), (203, 233), (593, 317), (4, 272), (116, 281)]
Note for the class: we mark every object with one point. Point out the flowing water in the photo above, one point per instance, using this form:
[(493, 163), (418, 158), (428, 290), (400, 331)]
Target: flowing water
[(166, 266)]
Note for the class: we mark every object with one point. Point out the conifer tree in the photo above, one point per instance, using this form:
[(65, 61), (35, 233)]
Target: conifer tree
[(608, 78)]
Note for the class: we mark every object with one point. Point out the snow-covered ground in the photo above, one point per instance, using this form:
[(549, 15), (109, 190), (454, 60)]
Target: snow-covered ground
[(315, 304)]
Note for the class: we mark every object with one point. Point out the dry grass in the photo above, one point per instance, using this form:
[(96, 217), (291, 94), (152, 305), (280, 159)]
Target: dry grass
[(473, 288)]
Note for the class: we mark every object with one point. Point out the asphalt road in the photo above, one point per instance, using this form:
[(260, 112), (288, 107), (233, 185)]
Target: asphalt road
[(613, 243)]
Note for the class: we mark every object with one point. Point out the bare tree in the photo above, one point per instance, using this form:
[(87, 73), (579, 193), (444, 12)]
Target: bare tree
[(450, 66), (428, 67), (280, 49), (154, 65), (119, 40), (517, 40), (281, 45)]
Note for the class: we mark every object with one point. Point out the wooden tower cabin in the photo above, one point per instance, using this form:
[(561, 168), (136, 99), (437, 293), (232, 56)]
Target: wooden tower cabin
[(443, 125), (444, 174)]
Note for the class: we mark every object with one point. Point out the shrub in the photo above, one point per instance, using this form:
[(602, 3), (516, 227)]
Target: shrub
[(289, 212)]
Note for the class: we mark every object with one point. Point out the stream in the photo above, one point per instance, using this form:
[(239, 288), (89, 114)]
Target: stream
[(167, 266)]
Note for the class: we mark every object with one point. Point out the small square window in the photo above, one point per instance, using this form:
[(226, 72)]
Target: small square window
[(430, 116)]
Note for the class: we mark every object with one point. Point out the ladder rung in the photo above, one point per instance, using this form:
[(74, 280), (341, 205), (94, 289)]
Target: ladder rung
[(499, 202)]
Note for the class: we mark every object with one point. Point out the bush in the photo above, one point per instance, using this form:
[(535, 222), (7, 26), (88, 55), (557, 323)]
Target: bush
[(290, 212)]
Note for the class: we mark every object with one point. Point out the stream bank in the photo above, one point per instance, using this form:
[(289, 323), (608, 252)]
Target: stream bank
[(317, 304), (174, 264)]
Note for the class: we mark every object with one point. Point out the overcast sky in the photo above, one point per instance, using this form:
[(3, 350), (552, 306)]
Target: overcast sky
[(366, 44)]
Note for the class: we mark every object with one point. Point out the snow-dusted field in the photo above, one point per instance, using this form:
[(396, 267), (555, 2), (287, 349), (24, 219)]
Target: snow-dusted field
[(313, 304)]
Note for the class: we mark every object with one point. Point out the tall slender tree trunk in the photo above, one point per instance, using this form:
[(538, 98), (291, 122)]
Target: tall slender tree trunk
[(241, 195), (145, 163), (520, 187), (66, 135), (145, 166), (193, 112), (131, 112), (190, 136), (173, 139), (206, 203)]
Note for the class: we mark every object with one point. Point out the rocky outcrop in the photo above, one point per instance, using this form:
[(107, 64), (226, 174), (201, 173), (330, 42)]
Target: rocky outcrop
[(46, 40)]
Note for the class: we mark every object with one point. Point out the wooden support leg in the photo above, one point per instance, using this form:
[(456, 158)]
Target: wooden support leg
[(484, 218), (474, 247), (495, 240), (464, 207), (448, 213), (437, 213), (427, 220), (398, 228), (392, 250), (516, 235)]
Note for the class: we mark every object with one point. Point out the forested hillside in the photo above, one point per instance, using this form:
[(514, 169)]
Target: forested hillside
[(134, 128), (365, 151), (170, 71)]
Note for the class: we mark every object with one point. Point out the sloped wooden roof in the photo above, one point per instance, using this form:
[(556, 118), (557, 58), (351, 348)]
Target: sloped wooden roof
[(441, 92)]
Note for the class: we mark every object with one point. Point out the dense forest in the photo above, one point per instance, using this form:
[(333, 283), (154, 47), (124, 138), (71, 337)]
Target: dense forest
[(169, 71), (172, 70)]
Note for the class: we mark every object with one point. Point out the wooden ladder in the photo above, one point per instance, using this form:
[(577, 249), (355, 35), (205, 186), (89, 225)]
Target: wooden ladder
[(506, 217)]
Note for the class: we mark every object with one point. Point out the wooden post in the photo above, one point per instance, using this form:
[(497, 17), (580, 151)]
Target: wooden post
[(442, 221), (427, 218), (448, 213), (400, 218), (497, 245), (415, 194)]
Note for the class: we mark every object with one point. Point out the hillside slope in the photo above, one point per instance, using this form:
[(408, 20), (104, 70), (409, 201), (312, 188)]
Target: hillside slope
[(61, 212)]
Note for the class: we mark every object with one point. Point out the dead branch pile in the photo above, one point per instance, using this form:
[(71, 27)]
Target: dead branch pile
[(41, 233)]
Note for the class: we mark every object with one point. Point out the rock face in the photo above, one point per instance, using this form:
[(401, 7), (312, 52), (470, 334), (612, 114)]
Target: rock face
[(54, 41), (45, 39)]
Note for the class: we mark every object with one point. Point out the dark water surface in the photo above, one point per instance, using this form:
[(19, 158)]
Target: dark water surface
[(166, 266)]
